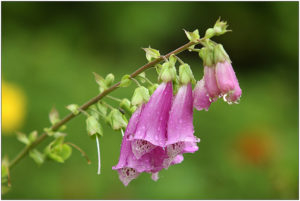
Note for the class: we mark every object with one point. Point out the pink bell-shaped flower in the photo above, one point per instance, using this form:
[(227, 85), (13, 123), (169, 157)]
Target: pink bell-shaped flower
[(201, 98), (151, 129), (180, 135)]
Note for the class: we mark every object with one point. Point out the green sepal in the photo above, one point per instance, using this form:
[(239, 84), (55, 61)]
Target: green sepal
[(94, 111), (58, 151), (109, 79), (151, 54), (220, 27), (117, 120), (141, 95), (186, 75), (93, 126), (74, 108), (37, 156), (220, 55), (141, 77), (168, 72), (100, 80), (54, 116), (207, 55), (49, 131), (125, 81), (158, 68), (152, 88), (192, 36), (133, 109), (23, 138), (125, 104), (102, 109)]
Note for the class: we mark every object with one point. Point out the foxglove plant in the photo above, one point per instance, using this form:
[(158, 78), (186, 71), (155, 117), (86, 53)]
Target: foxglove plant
[(160, 129)]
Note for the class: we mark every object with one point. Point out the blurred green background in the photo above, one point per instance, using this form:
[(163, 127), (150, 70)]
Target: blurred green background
[(247, 151)]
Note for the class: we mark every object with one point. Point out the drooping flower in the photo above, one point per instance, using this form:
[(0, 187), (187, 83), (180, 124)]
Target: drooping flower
[(180, 133), (219, 76), (151, 129), (201, 98)]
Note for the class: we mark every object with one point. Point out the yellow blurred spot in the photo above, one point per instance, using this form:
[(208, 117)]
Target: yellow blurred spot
[(13, 107)]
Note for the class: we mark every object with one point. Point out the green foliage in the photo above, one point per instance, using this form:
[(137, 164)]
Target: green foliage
[(58, 151)]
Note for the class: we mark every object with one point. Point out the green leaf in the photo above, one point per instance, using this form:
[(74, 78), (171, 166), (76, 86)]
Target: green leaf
[(93, 126), (54, 116), (23, 138), (125, 81), (73, 108), (37, 156), (151, 54)]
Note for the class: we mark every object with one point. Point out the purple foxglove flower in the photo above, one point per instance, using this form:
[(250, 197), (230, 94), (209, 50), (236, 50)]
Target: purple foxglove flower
[(211, 84), (180, 135), (201, 98), (128, 166), (151, 130), (227, 82)]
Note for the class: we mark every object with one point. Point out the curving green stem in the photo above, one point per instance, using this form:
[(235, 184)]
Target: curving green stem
[(94, 100)]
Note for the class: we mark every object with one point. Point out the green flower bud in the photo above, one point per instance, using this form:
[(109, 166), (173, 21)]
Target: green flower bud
[(185, 74), (220, 55), (118, 120), (102, 109), (220, 27), (125, 81), (152, 88), (140, 96), (141, 77), (126, 105), (73, 108), (133, 109), (54, 116), (109, 79), (209, 33), (93, 126), (151, 54), (100, 81)]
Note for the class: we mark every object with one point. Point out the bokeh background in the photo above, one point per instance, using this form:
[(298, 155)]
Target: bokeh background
[(247, 151)]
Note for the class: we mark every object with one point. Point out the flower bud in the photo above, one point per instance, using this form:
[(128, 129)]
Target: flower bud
[(140, 96), (109, 79), (126, 105), (151, 54), (220, 27), (93, 126), (118, 120)]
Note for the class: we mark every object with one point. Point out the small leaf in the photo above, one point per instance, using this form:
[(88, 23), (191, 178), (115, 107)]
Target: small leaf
[(23, 138), (125, 81), (73, 108), (54, 116), (37, 156), (151, 54)]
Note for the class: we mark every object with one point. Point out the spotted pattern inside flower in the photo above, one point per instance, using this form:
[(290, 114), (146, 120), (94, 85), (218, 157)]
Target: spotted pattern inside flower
[(174, 149), (127, 174), (141, 147)]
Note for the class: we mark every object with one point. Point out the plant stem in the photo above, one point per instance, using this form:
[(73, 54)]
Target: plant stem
[(94, 100), (81, 151), (114, 98)]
